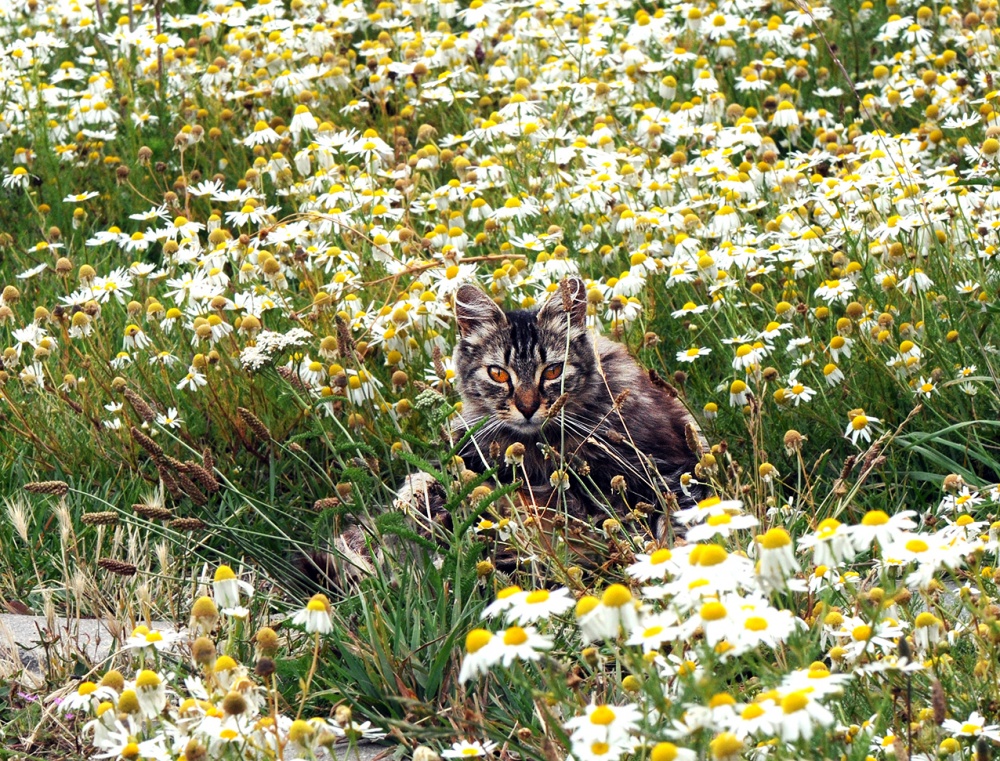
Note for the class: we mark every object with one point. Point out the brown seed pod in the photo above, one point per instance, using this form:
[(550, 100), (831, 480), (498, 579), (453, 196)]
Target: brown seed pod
[(56, 488), (103, 518), (117, 567)]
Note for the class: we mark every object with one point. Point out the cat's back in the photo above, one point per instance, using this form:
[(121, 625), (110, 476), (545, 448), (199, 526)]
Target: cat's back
[(652, 414)]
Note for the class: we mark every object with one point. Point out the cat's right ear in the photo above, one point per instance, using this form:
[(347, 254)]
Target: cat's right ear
[(476, 312)]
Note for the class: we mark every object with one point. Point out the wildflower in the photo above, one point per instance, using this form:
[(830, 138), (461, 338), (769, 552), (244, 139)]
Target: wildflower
[(654, 566), (719, 525), (193, 380), (522, 644), (465, 749), (152, 693), (170, 419), (226, 587), (860, 426), (690, 355), (833, 374), (800, 711), (878, 526), (924, 387), (605, 723), (505, 599), (316, 616), (262, 135), (88, 697), (831, 543), (483, 650), (974, 726), (777, 559), (539, 604), (655, 630), (738, 393), (142, 637), (204, 615), (927, 631)]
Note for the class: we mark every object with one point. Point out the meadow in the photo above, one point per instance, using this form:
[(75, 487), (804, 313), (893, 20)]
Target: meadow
[(230, 239)]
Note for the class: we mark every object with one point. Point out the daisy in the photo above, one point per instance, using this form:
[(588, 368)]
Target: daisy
[(655, 630), (537, 605), (605, 723), (522, 644), (777, 557), (924, 387), (483, 650), (604, 618), (226, 588), (831, 543), (262, 135), (800, 712), (315, 617), (152, 693), (654, 566), (860, 427), (690, 355), (877, 525), (720, 525), (465, 749), (974, 726)]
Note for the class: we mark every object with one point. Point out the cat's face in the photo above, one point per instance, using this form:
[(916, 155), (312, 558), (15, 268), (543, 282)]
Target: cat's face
[(513, 366)]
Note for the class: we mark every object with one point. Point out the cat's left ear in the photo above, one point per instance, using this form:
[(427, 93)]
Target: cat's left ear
[(570, 298)]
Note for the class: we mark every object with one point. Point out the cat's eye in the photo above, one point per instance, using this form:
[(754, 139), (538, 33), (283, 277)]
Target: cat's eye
[(498, 374), (552, 372)]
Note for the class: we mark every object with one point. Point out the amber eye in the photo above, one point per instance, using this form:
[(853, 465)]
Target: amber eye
[(552, 372), (498, 374)]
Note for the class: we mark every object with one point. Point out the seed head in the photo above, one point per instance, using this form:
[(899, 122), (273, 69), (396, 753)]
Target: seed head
[(117, 567), (103, 518), (267, 641), (234, 704), (203, 649), (186, 524), (254, 424), (153, 512), (55, 488)]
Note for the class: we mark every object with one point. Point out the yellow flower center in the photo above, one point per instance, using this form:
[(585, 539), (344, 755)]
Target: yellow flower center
[(616, 596), (713, 611), (476, 640), (793, 702), (875, 517), (515, 635)]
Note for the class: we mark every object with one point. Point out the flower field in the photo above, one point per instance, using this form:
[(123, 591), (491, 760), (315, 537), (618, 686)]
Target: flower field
[(230, 241)]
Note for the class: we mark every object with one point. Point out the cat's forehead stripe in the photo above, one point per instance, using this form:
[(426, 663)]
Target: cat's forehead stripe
[(523, 335)]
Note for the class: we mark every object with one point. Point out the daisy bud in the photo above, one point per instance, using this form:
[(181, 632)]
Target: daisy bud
[(342, 715), (114, 680), (267, 641), (234, 704), (128, 702), (204, 615), (203, 651)]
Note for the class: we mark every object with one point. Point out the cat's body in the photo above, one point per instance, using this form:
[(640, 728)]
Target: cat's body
[(610, 418)]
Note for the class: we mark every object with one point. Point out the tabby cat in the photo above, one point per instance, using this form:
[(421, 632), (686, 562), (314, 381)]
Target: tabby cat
[(578, 403), (552, 404)]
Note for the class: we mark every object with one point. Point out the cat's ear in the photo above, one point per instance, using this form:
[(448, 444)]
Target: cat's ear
[(476, 312), (570, 298)]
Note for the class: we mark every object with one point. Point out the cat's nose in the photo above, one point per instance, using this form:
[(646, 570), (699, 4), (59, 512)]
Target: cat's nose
[(527, 400)]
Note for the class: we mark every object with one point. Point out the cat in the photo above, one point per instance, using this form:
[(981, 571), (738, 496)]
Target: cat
[(559, 407), (592, 422)]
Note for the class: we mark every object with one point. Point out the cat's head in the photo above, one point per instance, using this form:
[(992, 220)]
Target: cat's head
[(513, 366)]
